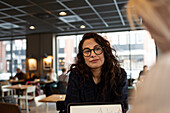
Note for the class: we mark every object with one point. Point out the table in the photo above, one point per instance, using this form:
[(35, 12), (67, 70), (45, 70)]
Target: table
[(45, 82), (19, 86), (15, 82), (53, 99)]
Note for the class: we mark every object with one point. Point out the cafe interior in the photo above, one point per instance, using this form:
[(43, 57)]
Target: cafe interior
[(37, 35)]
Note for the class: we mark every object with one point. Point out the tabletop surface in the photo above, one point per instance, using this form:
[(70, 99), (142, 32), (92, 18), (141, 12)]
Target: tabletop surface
[(54, 98), (18, 86)]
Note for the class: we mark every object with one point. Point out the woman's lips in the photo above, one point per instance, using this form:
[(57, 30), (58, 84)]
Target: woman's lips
[(94, 61)]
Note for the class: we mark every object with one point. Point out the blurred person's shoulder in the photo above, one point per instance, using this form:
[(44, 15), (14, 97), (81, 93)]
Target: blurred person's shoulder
[(157, 79)]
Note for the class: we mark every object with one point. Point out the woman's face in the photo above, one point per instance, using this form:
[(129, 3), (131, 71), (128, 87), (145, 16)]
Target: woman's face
[(94, 61)]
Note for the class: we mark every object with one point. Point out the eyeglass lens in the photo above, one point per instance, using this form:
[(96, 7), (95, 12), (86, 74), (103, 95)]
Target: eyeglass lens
[(97, 50)]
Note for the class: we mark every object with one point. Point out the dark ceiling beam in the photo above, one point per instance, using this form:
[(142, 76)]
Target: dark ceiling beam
[(98, 5), (103, 12), (20, 15), (97, 13), (100, 30), (3, 21), (10, 8), (95, 19), (73, 12), (9, 16), (49, 12), (4, 32), (118, 10), (26, 13), (61, 29)]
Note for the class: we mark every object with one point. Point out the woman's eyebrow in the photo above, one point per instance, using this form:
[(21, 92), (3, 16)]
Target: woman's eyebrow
[(89, 48)]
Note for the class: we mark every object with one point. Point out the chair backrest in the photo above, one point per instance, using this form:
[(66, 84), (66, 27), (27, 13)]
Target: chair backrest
[(31, 89), (9, 108), (4, 89), (37, 98), (62, 87)]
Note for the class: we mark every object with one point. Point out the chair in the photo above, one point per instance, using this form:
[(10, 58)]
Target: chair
[(27, 96), (9, 108), (39, 104), (62, 87), (60, 105), (4, 89)]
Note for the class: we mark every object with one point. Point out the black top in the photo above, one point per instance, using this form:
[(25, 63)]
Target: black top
[(87, 91), (20, 76)]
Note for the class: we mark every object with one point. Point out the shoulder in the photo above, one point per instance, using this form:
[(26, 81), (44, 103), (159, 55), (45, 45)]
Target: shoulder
[(123, 72), (122, 77), (74, 79), (74, 74)]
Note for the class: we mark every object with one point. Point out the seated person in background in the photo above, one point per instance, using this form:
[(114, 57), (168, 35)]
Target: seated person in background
[(62, 81), (20, 77), (143, 72), (63, 77), (51, 76), (96, 76)]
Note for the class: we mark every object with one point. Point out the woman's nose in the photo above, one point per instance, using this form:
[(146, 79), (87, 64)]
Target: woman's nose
[(93, 53)]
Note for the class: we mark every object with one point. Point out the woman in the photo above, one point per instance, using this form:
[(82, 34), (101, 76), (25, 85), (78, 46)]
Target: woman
[(153, 94), (51, 75), (96, 76)]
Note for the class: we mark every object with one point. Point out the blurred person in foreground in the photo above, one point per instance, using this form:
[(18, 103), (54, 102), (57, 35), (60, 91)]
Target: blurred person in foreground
[(96, 76), (153, 94)]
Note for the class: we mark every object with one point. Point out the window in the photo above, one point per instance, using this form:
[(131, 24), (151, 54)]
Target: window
[(134, 48), (9, 60), (4, 60), (69, 52), (19, 55)]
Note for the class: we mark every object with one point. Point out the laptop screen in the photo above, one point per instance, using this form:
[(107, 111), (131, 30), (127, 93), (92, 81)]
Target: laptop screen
[(95, 108)]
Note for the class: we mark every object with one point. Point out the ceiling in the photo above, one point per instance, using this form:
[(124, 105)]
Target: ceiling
[(97, 15)]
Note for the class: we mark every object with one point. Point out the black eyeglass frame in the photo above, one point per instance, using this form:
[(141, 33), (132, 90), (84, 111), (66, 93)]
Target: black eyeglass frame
[(93, 50)]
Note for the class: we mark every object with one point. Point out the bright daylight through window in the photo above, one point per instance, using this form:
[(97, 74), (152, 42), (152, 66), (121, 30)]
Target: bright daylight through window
[(134, 49)]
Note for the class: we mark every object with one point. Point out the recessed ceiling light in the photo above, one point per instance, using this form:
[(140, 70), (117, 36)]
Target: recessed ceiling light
[(82, 26), (32, 27), (62, 13)]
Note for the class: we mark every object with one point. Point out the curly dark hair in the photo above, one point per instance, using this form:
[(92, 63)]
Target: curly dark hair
[(110, 68)]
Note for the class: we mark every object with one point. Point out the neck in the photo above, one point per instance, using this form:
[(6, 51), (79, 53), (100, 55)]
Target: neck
[(96, 75)]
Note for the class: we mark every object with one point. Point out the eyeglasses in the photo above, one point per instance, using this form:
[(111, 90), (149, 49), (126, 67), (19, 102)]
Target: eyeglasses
[(97, 50)]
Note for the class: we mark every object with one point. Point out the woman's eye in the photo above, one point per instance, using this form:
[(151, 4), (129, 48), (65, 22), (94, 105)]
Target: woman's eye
[(98, 48), (86, 51)]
